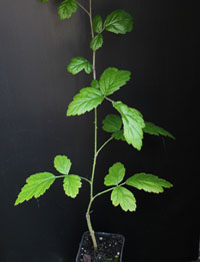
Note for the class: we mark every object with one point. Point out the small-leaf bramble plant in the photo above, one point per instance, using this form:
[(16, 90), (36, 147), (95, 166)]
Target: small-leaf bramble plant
[(127, 124)]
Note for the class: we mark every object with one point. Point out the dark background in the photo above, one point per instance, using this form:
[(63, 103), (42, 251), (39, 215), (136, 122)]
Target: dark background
[(35, 89)]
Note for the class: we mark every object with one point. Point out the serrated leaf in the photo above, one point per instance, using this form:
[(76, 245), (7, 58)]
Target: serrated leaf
[(116, 175), (119, 22), (71, 185), (36, 185), (123, 197), (112, 123), (97, 24), (148, 183), (155, 130), (96, 42), (88, 99), (62, 164), (119, 135), (95, 83), (112, 79), (133, 124), (78, 64), (67, 8)]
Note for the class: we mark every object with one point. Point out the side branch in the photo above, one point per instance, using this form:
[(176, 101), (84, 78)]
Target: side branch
[(104, 144), (83, 8)]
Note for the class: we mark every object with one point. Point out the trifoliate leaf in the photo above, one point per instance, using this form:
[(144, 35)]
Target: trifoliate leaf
[(116, 175), (71, 185), (97, 24), (155, 130), (67, 8), (148, 183), (95, 83), (119, 135), (119, 22), (123, 197), (36, 185), (96, 42), (112, 123), (62, 164), (112, 79), (88, 99), (78, 64), (133, 124)]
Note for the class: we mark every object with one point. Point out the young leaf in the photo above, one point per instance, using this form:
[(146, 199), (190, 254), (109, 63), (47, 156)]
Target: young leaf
[(155, 130), (95, 83), (36, 185), (112, 79), (133, 124), (116, 175), (62, 164), (112, 123), (71, 185), (148, 183), (96, 42), (123, 197), (67, 8), (97, 24), (78, 64), (119, 22), (88, 99)]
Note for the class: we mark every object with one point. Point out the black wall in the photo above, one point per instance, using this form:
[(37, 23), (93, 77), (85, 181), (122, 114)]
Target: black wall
[(35, 89)]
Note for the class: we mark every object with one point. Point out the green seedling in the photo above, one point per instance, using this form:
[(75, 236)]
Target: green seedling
[(127, 124)]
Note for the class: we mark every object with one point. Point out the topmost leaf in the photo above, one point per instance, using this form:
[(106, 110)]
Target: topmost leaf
[(67, 8), (119, 22), (44, 1)]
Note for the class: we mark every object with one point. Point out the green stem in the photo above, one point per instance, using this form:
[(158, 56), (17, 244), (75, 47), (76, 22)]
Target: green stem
[(83, 8), (108, 99), (83, 178), (107, 190), (107, 141), (92, 234)]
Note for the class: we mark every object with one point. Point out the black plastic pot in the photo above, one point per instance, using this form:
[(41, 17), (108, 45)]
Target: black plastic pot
[(110, 248)]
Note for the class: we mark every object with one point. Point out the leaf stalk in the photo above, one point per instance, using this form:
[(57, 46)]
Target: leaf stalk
[(83, 8)]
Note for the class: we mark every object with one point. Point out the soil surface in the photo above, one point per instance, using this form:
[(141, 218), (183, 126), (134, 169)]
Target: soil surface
[(110, 248)]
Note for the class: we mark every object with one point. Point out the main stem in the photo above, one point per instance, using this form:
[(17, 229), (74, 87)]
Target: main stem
[(92, 234)]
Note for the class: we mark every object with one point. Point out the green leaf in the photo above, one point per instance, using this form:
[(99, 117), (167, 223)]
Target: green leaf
[(88, 99), (71, 185), (133, 124), (116, 175), (112, 123), (62, 164), (123, 197), (95, 83), (67, 8), (44, 1), (78, 64), (96, 42), (119, 22), (119, 135), (112, 79), (97, 24), (36, 185), (148, 183), (153, 129)]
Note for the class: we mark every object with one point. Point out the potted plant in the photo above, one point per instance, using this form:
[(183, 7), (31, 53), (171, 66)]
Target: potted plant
[(127, 124)]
